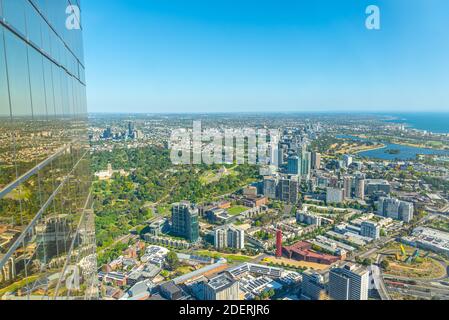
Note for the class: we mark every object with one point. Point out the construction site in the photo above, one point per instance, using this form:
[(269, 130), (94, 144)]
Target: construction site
[(410, 273), (413, 263)]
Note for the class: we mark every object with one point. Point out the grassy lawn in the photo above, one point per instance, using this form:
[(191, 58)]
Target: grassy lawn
[(281, 262), (236, 210), (207, 177), (164, 210), (229, 257), (211, 176), (428, 268), (184, 270), (435, 144)]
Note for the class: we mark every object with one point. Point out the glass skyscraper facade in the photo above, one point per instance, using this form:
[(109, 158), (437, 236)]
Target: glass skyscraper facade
[(47, 235)]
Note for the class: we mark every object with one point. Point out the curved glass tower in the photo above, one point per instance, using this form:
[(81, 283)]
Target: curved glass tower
[(47, 235)]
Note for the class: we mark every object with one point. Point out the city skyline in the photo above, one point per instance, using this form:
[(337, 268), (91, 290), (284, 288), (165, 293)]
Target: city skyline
[(225, 204)]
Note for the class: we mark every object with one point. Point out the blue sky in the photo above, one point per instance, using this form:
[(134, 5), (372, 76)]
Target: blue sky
[(261, 56)]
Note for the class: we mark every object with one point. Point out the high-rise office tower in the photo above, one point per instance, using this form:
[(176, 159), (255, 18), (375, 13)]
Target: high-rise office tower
[(347, 160), (347, 186), (370, 229), (306, 164), (360, 187), (270, 186), (349, 282), (107, 134), (312, 286), (236, 238), (220, 238), (334, 195), (395, 209), (316, 160), (280, 156), (130, 129), (47, 236), (185, 221), (406, 210), (229, 237), (293, 165), (273, 151), (377, 187), (288, 189)]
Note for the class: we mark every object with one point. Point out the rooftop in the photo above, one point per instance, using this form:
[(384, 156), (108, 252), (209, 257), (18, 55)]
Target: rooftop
[(354, 268), (221, 282), (170, 287)]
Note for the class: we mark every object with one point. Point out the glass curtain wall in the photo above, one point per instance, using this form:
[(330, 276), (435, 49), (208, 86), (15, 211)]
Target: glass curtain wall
[(47, 235)]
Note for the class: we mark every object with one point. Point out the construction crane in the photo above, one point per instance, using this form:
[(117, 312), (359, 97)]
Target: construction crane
[(402, 255), (413, 257)]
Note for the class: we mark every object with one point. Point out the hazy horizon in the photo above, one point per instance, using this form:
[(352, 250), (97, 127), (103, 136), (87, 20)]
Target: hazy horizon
[(386, 113)]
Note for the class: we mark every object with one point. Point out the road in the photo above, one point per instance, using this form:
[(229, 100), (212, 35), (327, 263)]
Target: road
[(377, 246), (378, 279), (374, 268), (445, 209), (421, 288), (421, 292)]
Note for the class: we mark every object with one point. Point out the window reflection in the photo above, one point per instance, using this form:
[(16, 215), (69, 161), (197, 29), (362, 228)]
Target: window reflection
[(49, 92), (14, 14), (33, 23), (43, 120), (6, 156), (19, 83), (37, 84)]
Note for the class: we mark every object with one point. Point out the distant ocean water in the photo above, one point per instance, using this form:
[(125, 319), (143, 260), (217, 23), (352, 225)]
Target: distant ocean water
[(434, 122), (405, 152)]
